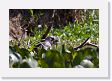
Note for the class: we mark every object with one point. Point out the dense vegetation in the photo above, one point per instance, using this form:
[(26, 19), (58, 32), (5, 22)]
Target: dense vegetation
[(53, 38)]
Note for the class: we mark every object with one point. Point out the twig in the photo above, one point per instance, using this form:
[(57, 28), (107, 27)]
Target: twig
[(90, 44), (84, 44), (80, 46), (46, 33)]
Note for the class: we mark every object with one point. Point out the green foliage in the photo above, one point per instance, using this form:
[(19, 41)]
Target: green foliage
[(26, 54), (65, 57)]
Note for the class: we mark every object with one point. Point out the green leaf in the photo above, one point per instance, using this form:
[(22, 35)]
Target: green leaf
[(54, 59), (25, 65), (84, 52)]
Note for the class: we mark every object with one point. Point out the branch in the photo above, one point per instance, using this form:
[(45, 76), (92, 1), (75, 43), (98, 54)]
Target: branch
[(90, 44), (46, 33), (80, 46), (84, 44)]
